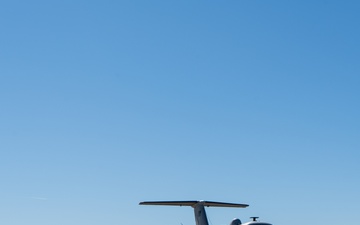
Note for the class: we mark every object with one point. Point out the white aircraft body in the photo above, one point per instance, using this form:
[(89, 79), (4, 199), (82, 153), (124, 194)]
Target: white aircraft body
[(199, 210)]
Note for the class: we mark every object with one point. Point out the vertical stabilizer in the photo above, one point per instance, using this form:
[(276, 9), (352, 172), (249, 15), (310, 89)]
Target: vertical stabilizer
[(200, 214)]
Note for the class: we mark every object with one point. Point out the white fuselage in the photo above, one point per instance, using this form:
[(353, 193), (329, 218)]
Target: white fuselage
[(256, 223)]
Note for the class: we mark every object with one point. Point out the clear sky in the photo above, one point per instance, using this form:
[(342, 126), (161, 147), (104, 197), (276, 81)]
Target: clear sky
[(108, 103)]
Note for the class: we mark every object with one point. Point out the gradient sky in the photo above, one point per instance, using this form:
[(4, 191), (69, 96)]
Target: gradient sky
[(108, 103)]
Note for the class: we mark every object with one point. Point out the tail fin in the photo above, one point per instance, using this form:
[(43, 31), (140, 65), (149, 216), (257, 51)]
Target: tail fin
[(199, 207)]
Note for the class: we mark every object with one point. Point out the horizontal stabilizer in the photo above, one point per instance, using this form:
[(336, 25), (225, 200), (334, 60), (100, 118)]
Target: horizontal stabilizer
[(193, 203)]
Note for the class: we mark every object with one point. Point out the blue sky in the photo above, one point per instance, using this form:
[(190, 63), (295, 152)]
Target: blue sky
[(108, 103)]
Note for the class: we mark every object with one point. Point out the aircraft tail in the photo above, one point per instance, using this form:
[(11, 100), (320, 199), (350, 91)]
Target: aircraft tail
[(199, 207)]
